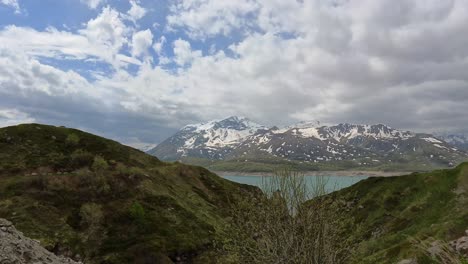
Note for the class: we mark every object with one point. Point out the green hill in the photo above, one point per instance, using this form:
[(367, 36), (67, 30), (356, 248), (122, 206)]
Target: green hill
[(94, 199), (382, 217)]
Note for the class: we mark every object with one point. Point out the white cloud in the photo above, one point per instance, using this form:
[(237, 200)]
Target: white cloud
[(22, 74), (334, 63), (11, 117), (136, 11), (106, 30), (141, 42), (158, 45), (13, 4), (93, 4), (205, 18), (102, 39), (183, 53), (369, 61)]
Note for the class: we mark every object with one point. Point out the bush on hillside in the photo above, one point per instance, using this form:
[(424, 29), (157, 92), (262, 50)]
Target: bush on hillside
[(280, 228), (99, 164), (81, 158), (72, 140)]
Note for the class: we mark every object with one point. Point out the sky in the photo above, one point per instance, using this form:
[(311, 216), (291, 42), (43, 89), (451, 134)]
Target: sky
[(138, 70)]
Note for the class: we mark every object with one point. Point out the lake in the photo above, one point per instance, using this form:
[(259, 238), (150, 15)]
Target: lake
[(333, 183)]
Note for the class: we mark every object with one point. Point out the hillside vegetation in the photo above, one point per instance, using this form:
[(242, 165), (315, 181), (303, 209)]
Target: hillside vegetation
[(383, 217), (94, 199)]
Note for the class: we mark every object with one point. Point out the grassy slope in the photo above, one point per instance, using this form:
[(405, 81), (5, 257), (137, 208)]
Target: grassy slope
[(380, 215), (140, 209)]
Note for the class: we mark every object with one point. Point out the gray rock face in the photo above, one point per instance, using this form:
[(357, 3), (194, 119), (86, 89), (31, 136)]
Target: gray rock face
[(461, 244), (18, 249)]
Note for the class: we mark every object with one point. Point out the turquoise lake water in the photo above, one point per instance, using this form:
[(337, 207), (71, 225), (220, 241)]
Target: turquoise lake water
[(333, 183)]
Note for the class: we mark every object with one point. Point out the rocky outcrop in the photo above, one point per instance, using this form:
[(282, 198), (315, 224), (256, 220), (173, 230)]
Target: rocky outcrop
[(408, 261), (18, 249), (461, 244)]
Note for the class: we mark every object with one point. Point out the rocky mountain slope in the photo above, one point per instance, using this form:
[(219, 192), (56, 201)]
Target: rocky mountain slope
[(458, 140), (310, 144), (212, 140), (18, 249), (83, 195)]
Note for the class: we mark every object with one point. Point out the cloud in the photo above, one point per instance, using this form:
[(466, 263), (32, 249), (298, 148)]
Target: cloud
[(201, 18), (13, 4), (11, 117), (102, 39), (136, 11), (22, 74), (183, 52), (141, 42), (93, 4), (158, 45), (372, 61), (315, 60), (107, 30)]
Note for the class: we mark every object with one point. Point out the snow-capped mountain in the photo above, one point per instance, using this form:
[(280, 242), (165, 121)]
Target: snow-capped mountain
[(239, 139), (213, 140), (458, 140)]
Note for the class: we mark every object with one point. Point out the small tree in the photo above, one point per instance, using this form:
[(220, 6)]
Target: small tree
[(92, 218), (280, 227), (138, 215), (99, 165), (91, 215), (81, 158), (72, 140)]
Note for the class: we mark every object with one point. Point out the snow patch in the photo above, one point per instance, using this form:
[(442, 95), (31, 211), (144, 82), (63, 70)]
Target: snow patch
[(432, 140)]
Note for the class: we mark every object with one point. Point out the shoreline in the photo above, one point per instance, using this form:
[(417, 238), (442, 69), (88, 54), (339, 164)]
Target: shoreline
[(321, 173)]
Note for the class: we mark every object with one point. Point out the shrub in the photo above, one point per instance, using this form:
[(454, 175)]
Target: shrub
[(72, 140), (280, 227), (99, 164), (92, 218), (91, 215), (138, 215), (121, 169), (81, 158)]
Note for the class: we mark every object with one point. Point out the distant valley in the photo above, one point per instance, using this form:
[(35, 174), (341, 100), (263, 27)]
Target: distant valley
[(238, 144)]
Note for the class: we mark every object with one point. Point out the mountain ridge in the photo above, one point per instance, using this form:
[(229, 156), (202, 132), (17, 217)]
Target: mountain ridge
[(240, 140)]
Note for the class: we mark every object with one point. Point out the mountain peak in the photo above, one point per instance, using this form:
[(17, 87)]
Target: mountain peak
[(232, 122)]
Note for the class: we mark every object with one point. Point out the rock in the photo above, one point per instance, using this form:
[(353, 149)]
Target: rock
[(18, 249), (461, 244), (408, 261), (436, 248), (5, 223)]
